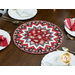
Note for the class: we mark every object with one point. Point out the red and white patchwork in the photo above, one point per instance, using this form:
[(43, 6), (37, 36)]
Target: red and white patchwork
[(38, 37)]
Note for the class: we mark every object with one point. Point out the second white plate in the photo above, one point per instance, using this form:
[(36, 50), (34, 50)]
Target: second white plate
[(5, 34), (13, 14), (54, 59)]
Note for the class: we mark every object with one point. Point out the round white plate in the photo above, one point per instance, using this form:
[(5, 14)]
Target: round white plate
[(54, 59), (5, 34), (13, 14), (69, 32)]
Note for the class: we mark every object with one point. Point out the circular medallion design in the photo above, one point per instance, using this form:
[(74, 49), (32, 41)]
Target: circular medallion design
[(66, 58), (38, 37)]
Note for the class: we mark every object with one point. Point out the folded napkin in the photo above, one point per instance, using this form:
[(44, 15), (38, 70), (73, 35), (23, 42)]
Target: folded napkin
[(70, 24), (3, 41), (25, 12)]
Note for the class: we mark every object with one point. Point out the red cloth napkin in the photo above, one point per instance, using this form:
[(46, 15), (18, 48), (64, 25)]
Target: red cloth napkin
[(3, 41), (70, 24)]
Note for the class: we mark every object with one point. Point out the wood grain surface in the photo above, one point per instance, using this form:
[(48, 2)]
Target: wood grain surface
[(13, 56)]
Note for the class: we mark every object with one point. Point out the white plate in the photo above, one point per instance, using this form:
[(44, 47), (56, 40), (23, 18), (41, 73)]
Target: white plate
[(5, 34), (54, 59), (13, 14), (69, 32)]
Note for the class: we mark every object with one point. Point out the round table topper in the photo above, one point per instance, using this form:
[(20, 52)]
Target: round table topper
[(38, 37)]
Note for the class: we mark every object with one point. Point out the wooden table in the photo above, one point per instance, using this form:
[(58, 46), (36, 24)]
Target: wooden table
[(13, 56)]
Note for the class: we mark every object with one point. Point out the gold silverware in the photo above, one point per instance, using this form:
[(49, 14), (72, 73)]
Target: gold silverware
[(70, 37), (12, 20), (67, 50)]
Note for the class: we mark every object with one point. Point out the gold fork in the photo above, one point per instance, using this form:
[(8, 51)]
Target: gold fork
[(12, 20)]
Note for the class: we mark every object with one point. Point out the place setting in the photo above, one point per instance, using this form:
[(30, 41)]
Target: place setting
[(5, 37), (22, 14), (17, 16), (70, 28), (59, 58)]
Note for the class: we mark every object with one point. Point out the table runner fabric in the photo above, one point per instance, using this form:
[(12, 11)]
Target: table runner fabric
[(38, 37)]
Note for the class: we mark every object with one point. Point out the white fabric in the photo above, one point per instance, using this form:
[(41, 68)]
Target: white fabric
[(5, 34), (54, 59), (25, 12)]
